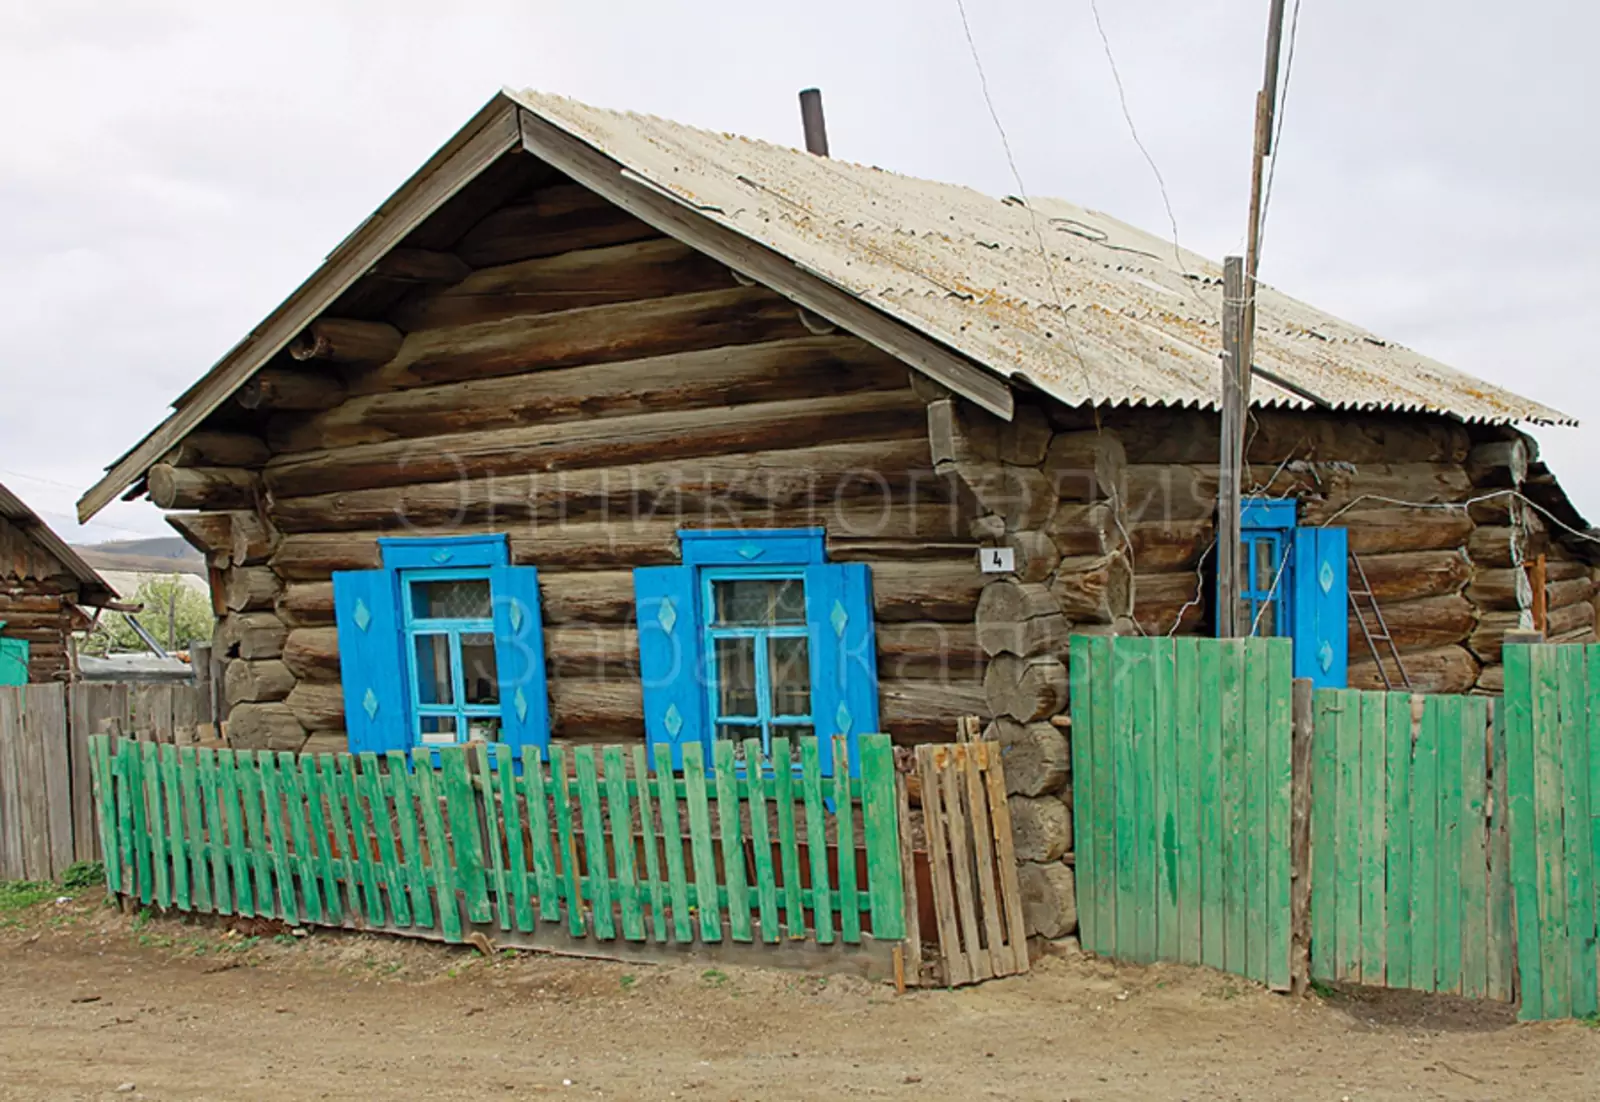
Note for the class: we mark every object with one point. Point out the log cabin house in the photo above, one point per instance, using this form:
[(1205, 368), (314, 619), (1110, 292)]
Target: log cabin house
[(45, 588), (607, 428)]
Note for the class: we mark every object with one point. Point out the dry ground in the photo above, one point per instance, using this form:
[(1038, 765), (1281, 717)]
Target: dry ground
[(91, 1001)]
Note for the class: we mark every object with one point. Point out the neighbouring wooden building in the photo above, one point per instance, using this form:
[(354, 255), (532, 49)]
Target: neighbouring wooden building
[(45, 588), (605, 428)]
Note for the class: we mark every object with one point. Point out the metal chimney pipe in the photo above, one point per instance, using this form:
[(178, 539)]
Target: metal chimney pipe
[(811, 119)]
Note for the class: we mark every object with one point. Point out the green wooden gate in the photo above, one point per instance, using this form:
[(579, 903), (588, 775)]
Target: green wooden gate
[(1410, 879), (1553, 750), (1181, 793)]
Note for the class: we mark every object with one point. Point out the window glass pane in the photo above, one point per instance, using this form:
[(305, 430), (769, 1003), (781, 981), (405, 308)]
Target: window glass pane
[(789, 671), (437, 730), (736, 677), (481, 682), (1266, 565), (455, 600), (483, 728), (759, 602), (434, 683)]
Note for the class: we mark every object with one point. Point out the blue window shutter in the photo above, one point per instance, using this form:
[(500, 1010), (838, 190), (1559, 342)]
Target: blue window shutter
[(370, 662), (519, 656), (670, 669), (13, 661), (1321, 606), (844, 654)]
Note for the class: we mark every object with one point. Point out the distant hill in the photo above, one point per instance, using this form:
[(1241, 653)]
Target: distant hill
[(157, 555)]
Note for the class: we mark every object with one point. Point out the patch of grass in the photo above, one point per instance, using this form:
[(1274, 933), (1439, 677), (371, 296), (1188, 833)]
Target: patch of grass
[(1592, 1021), (19, 895), (245, 944), (714, 977), (1324, 991), (629, 980), (84, 874), (284, 939)]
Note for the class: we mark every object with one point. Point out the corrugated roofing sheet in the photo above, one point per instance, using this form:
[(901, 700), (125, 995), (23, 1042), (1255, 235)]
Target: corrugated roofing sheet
[(1116, 315)]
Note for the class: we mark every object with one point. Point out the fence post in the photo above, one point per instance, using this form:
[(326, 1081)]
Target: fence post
[(1300, 799)]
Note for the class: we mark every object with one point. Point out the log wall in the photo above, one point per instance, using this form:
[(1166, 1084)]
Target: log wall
[(36, 604)]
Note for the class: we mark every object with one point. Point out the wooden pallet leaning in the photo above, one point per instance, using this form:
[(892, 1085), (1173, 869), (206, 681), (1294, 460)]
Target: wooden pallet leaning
[(977, 900)]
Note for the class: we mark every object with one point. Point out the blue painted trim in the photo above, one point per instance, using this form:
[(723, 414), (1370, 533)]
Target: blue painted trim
[(752, 546), (443, 552), (1268, 512)]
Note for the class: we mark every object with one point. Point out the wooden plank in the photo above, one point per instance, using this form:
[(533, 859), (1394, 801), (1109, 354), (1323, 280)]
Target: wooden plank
[(323, 869), (370, 784), (1279, 734), (130, 797), (1577, 828), (1084, 796), (706, 896), (1255, 733), (1348, 845), (255, 839), (177, 839), (1474, 849), (334, 770), (1186, 705), (794, 913), (12, 862), (1549, 796), (1326, 704), (1300, 754), (1447, 967), (46, 722), (594, 843), (761, 839), (1523, 827), (844, 818), (1374, 788), (1102, 890), (619, 810), (1213, 866), (305, 863), (652, 853), (1502, 935), (518, 879), (199, 852), (956, 969), (957, 819), (402, 789), (672, 844), (1397, 836), (277, 834), (233, 811), (540, 835), (150, 765), (493, 825), (447, 897), (561, 808), (105, 805), (1425, 850), (1164, 754), (1234, 823), (81, 723), (1005, 856), (733, 873), (1126, 769), (32, 790), (359, 840), (1592, 695), (216, 829), (1145, 830), (466, 835), (908, 873), (880, 837), (816, 836)]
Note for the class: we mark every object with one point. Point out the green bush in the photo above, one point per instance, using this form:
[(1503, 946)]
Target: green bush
[(84, 874)]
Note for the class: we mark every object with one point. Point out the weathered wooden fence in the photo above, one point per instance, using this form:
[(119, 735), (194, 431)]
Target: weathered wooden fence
[(47, 818), (1410, 876), (594, 853), (1552, 729), (1181, 796)]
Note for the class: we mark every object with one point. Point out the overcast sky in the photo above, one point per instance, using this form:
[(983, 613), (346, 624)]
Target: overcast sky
[(170, 171)]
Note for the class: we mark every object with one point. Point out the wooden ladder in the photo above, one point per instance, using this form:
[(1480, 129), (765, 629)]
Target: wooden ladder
[(1382, 635)]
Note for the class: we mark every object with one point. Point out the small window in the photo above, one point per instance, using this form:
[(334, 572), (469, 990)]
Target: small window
[(760, 669), (454, 680)]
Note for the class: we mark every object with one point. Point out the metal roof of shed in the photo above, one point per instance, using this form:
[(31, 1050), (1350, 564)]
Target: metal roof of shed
[(1116, 316)]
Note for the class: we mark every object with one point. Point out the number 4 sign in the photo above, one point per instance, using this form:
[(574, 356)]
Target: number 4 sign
[(997, 560)]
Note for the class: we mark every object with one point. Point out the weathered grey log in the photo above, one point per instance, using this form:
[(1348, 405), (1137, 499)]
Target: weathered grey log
[(926, 650), (1382, 529), (1572, 591), (1025, 439), (1489, 637), (592, 651), (1570, 620), (208, 488), (285, 389), (1492, 546), (1498, 464), (346, 341), (251, 539), (1019, 618), (1021, 496), (1035, 755), (1497, 589), (256, 681), (1080, 530), (312, 653), (420, 266), (1161, 599), (1041, 828), (927, 711), (1035, 555), (1154, 435), (252, 635), (554, 219), (248, 588), (306, 604), (326, 742), (1095, 589), (1087, 466), (1425, 624), (1049, 899), (318, 706), (1161, 547), (264, 727), (960, 433), (209, 533), (1444, 670), (209, 448), (1411, 575), (1025, 689)]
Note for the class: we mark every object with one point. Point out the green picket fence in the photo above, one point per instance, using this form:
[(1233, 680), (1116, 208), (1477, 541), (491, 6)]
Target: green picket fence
[(594, 846), (1181, 794), (1552, 728), (1410, 870)]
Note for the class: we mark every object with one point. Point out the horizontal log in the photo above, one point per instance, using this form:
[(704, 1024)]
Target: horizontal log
[(596, 710), (1383, 529), (1025, 439), (306, 604), (865, 474), (346, 341), (926, 650), (1025, 689), (29, 602), (247, 588), (1495, 589), (257, 681), (264, 727), (705, 378), (1168, 604), (207, 488), (312, 653), (1084, 529), (1569, 620), (1161, 547), (603, 442), (1489, 637), (317, 706), (1087, 466), (1442, 670), (592, 651), (1094, 589), (1190, 436), (555, 219), (16, 623), (525, 343), (428, 266), (1174, 492), (251, 540), (1498, 464), (651, 268), (926, 711), (1411, 575), (207, 448), (211, 534), (1564, 593), (281, 388), (1418, 625), (1492, 546), (251, 635)]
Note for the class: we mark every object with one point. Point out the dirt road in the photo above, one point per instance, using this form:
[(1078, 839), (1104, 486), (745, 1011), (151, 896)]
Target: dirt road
[(91, 1001)]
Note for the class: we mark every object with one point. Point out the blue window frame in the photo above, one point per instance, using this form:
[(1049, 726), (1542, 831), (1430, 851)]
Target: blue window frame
[(442, 645), (1295, 584), (757, 636)]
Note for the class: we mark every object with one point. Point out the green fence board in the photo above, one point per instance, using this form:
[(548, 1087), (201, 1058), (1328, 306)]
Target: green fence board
[(620, 811), (561, 807), (1502, 963), (761, 850), (177, 835), (880, 827), (596, 866), (259, 847), (1084, 808), (519, 880), (327, 871), (816, 830), (1447, 949), (1326, 706), (1125, 811), (1554, 947), (726, 786), (199, 854), (1252, 732), (1374, 799), (234, 824), (1213, 852), (844, 820), (1425, 862), (460, 799), (1577, 827), (794, 913), (1396, 710), (150, 773), (1181, 836), (652, 853), (1164, 823), (1474, 849), (1276, 725), (541, 843), (672, 844), (1520, 696), (1592, 744), (1146, 871), (698, 809), (304, 861)]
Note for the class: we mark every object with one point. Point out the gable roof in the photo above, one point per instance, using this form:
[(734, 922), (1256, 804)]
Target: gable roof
[(954, 282), (94, 590)]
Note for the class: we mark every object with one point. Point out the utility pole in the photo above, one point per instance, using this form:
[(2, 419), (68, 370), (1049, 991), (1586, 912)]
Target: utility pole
[(1238, 348)]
